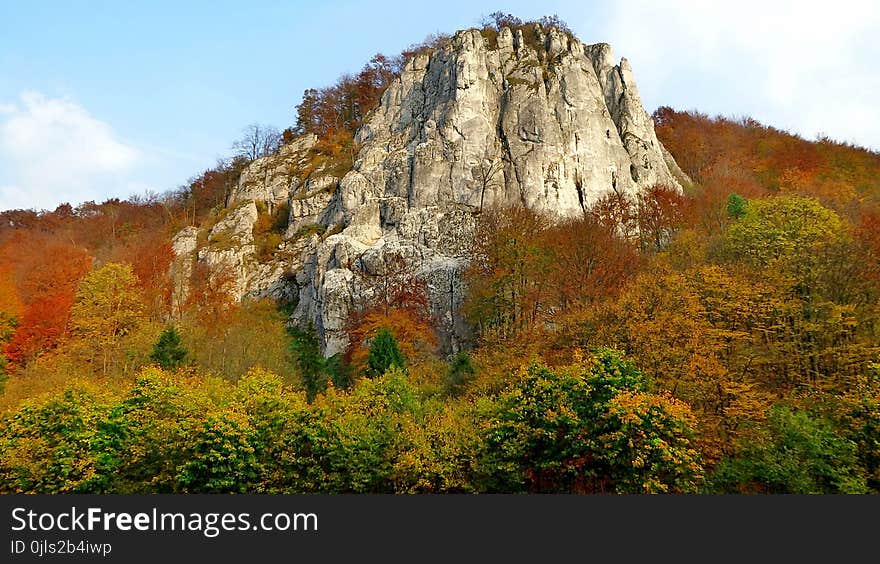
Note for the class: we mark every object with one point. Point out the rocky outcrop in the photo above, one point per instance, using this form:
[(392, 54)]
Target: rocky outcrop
[(311, 205), (274, 178), (184, 245), (545, 122)]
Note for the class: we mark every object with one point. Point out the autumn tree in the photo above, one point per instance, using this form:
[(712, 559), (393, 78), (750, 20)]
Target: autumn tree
[(500, 20), (726, 155), (508, 288), (486, 174), (807, 251), (210, 298), (396, 286), (791, 233), (46, 287), (531, 274), (616, 211), (867, 239), (208, 191), (399, 304), (339, 110), (108, 306), (10, 310), (151, 261), (694, 334), (659, 213), (588, 263), (236, 337)]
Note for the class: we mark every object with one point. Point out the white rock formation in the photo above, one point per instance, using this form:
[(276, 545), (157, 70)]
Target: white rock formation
[(274, 178), (184, 245), (545, 122)]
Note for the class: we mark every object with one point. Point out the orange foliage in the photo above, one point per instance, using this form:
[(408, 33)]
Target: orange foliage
[(414, 333), (150, 262), (590, 262), (10, 304), (659, 212), (344, 106), (867, 235), (41, 327), (210, 296), (725, 155), (530, 275), (48, 272), (400, 305)]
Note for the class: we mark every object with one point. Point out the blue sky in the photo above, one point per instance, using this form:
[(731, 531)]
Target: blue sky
[(104, 99)]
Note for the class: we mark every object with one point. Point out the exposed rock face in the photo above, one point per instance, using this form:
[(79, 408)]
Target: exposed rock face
[(551, 129), (184, 245), (274, 178), (231, 245), (549, 123), (311, 205)]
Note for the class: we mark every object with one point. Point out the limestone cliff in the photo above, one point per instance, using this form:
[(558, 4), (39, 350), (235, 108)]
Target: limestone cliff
[(546, 122)]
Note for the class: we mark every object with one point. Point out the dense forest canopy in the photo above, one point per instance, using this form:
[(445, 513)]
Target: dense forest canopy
[(722, 340)]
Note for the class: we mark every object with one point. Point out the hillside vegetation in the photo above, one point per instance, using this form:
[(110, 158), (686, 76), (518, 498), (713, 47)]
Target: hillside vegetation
[(725, 340)]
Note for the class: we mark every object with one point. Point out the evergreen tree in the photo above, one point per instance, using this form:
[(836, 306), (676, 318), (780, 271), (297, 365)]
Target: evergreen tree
[(736, 205), (338, 371), (384, 353), (461, 371), (168, 352), (312, 367)]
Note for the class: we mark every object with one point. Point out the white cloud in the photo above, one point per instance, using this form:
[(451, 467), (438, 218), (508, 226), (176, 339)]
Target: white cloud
[(804, 66), (52, 150)]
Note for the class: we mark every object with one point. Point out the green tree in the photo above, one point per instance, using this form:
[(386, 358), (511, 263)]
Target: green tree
[(589, 427), (796, 453), (736, 205), (222, 459), (312, 365), (461, 371), (54, 445), (384, 354), (169, 352)]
